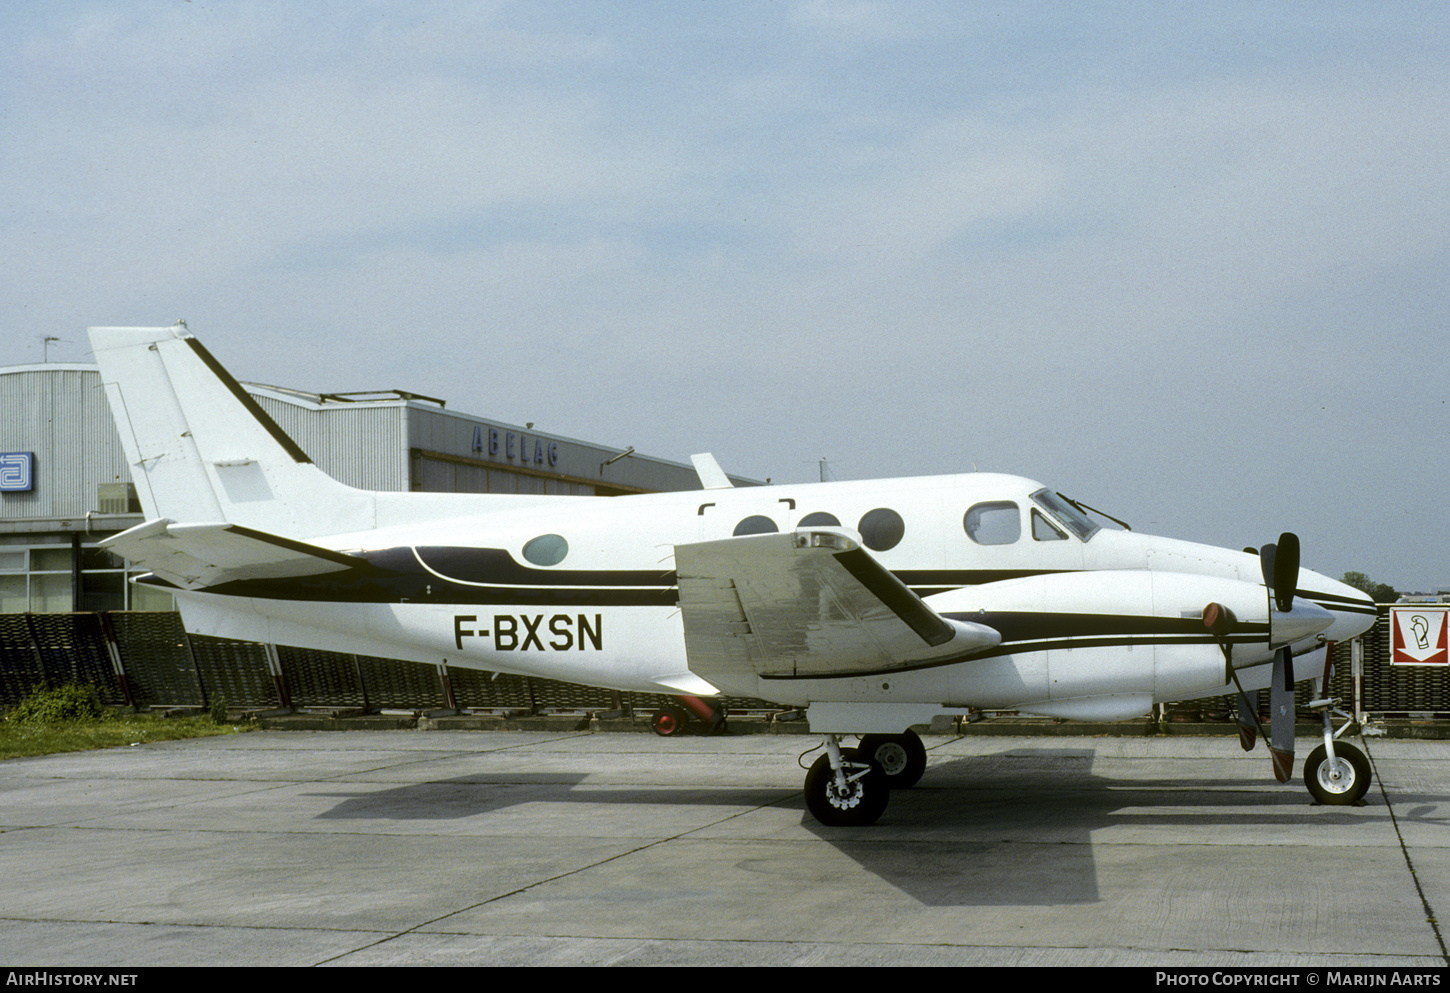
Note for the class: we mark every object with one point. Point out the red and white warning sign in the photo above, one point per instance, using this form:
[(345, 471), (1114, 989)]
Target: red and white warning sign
[(1419, 635)]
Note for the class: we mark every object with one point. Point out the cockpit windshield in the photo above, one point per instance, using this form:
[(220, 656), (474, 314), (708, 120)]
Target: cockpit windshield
[(1073, 519)]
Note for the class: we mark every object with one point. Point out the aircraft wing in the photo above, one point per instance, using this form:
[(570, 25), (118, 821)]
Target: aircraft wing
[(808, 604), (195, 556)]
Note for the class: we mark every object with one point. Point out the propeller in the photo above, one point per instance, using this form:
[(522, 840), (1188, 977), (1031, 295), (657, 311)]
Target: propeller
[(1280, 565), (1289, 622)]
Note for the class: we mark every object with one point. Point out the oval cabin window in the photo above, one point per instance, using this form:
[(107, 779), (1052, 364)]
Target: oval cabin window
[(546, 549), (881, 529)]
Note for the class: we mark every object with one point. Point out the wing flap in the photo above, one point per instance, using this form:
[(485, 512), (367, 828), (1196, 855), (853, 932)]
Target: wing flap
[(808, 604), (197, 556)]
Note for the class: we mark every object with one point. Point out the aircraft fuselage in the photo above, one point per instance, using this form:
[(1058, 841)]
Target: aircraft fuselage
[(1098, 623)]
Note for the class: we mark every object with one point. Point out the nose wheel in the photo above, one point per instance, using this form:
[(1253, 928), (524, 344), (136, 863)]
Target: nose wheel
[(1343, 780)]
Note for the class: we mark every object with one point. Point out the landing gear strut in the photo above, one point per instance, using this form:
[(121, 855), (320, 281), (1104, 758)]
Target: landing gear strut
[(1336, 772)]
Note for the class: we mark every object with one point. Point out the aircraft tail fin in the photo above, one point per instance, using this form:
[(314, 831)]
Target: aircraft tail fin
[(201, 448)]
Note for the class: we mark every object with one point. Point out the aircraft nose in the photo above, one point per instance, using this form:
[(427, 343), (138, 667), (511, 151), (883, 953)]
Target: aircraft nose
[(1353, 610)]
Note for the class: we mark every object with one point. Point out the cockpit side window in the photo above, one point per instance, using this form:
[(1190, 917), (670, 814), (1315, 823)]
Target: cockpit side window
[(995, 523), (1043, 529), (1066, 514)]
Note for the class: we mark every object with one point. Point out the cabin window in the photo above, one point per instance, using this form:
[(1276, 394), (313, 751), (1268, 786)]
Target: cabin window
[(881, 529), (819, 519), (546, 549), (995, 523), (1045, 530), (756, 524)]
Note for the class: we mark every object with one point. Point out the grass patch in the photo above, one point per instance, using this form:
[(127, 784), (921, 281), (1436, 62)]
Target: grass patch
[(71, 719)]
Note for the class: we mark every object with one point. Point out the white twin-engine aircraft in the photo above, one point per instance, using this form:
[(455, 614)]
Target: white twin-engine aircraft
[(876, 605)]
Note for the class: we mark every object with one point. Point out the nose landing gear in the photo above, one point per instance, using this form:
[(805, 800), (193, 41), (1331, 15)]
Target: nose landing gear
[(1343, 779)]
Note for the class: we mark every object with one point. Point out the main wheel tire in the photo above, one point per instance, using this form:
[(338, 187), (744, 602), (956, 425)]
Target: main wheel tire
[(902, 757), (668, 722), (860, 804), (1342, 786)]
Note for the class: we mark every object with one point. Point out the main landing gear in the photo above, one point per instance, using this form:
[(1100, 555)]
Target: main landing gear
[(849, 787)]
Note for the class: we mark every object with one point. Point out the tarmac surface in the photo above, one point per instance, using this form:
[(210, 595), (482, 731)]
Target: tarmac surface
[(459, 848)]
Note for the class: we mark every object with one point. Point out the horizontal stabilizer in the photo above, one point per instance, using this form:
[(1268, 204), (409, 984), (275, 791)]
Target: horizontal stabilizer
[(197, 556), (807, 604)]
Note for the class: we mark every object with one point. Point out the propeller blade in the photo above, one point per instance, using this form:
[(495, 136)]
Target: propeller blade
[(1281, 715), (1286, 571), (1248, 724)]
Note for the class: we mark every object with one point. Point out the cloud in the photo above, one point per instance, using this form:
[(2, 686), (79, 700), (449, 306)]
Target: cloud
[(1111, 250)]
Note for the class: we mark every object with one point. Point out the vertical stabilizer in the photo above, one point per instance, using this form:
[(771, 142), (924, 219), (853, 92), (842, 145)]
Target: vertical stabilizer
[(202, 450)]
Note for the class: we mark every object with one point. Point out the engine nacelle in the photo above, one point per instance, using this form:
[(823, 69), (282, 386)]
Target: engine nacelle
[(1099, 645)]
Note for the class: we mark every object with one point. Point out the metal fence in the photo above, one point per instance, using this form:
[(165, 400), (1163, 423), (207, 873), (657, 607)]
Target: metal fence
[(146, 659)]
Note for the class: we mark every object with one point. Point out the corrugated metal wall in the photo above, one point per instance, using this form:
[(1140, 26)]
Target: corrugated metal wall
[(58, 411), (360, 444)]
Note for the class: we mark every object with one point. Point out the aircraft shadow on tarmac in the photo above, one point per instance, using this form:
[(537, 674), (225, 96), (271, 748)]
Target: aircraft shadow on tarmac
[(1010, 828), (470, 796), (1016, 828)]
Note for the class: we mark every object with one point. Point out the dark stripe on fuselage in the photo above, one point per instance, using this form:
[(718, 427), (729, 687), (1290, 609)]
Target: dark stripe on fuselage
[(496, 567), (480, 576), (483, 576), (466, 576), (1342, 604)]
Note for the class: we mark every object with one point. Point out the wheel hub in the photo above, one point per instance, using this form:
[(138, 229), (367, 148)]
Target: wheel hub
[(1332, 777), (892, 758)]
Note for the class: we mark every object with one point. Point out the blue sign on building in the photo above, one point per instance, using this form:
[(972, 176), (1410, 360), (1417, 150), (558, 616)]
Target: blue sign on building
[(15, 472)]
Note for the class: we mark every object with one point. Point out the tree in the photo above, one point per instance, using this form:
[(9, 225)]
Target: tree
[(1378, 592)]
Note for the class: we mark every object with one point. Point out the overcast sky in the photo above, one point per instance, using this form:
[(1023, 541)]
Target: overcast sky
[(1186, 262)]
